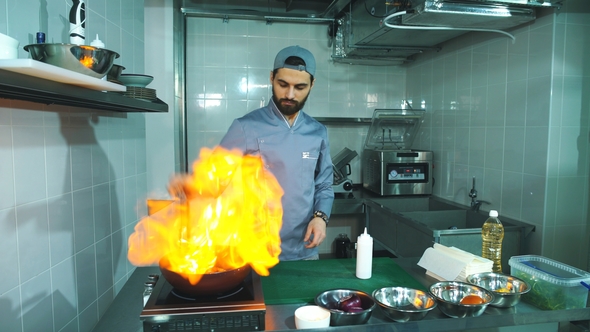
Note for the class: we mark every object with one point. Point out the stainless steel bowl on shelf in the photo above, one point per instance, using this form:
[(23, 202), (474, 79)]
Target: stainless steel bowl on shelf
[(88, 60), (331, 299), (451, 298), (403, 304), (114, 73), (506, 288)]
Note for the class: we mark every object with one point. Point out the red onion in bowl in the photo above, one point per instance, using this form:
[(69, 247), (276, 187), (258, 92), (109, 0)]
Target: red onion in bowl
[(350, 303)]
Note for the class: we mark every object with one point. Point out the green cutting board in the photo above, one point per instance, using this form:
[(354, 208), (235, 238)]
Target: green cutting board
[(301, 281)]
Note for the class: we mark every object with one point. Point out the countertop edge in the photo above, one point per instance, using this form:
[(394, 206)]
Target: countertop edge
[(123, 314)]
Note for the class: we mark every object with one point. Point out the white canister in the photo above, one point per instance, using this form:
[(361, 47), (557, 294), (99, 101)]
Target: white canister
[(8, 47), (364, 256)]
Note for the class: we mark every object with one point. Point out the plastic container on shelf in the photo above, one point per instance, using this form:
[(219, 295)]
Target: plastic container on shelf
[(97, 42), (40, 37), (554, 285)]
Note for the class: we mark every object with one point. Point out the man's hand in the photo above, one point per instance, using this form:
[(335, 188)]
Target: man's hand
[(180, 187), (317, 228)]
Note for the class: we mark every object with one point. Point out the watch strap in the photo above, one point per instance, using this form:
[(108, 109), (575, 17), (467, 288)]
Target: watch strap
[(321, 214)]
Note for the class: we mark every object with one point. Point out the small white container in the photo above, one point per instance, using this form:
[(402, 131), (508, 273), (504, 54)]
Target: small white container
[(8, 47), (311, 317)]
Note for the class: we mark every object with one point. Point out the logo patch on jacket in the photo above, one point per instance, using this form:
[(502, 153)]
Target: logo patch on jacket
[(307, 155)]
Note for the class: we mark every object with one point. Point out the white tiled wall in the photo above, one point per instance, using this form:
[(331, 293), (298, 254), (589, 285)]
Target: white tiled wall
[(510, 114), (514, 116), (228, 75), (72, 181)]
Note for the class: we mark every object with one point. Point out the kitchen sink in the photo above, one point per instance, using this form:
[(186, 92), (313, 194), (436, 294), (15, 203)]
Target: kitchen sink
[(407, 226), (421, 203), (453, 220)]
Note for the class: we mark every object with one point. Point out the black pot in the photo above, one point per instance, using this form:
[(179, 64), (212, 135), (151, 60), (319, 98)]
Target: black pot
[(209, 283)]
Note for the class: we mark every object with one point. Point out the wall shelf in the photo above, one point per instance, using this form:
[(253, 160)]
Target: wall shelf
[(24, 87)]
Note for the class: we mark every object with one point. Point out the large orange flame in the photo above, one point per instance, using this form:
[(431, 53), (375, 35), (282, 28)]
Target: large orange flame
[(230, 217)]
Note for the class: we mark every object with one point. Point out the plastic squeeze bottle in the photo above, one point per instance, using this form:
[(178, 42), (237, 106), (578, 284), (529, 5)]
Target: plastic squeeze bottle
[(364, 256), (97, 42), (492, 234)]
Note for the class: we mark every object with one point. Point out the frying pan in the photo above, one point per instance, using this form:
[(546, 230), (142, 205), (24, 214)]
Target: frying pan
[(210, 283)]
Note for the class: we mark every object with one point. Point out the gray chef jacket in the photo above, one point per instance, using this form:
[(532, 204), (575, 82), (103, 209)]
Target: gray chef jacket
[(299, 157)]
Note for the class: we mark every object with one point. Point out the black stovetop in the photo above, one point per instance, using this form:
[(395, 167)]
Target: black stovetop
[(247, 298)]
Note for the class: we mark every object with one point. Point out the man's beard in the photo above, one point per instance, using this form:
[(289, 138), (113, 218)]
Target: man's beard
[(288, 110)]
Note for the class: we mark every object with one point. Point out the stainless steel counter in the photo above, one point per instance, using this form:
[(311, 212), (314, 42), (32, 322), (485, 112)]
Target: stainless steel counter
[(123, 314)]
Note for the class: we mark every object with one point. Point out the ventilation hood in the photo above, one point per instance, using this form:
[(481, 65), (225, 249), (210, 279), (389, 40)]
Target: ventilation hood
[(372, 33), (314, 8), (378, 32), (279, 10)]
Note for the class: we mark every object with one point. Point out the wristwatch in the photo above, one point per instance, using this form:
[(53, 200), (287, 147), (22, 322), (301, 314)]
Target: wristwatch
[(321, 214)]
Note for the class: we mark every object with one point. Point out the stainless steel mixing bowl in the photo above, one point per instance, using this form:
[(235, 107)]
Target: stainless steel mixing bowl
[(330, 299), (507, 289), (403, 304), (449, 294), (83, 59), (115, 72)]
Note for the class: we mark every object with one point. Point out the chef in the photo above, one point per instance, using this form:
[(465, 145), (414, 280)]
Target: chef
[(294, 148)]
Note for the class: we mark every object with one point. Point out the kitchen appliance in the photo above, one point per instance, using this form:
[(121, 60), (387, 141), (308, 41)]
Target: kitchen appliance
[(341, 167), (421, 25), (239, 309), (364, 32), (389, 165)]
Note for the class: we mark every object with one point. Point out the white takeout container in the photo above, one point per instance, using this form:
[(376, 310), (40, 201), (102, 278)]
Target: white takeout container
[(8, 47), (311, 316)]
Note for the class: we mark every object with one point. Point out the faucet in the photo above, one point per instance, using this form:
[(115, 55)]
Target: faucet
[(475, 203)]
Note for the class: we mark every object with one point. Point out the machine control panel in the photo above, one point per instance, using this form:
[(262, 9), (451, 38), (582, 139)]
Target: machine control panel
[(407, 172)]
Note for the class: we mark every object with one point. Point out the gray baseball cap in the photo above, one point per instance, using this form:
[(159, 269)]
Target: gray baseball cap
[(299, 52)]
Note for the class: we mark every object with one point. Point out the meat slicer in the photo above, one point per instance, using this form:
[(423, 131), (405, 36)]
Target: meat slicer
[(341, 167)]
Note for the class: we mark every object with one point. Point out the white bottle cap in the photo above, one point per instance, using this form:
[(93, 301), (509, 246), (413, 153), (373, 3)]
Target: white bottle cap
[(365, 235), (97, 42), (494, 213)]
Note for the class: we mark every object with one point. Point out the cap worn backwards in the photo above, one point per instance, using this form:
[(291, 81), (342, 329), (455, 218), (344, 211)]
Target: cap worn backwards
[(299, 52)]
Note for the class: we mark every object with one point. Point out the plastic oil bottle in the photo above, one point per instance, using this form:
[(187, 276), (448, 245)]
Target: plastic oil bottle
[(492, 234)]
